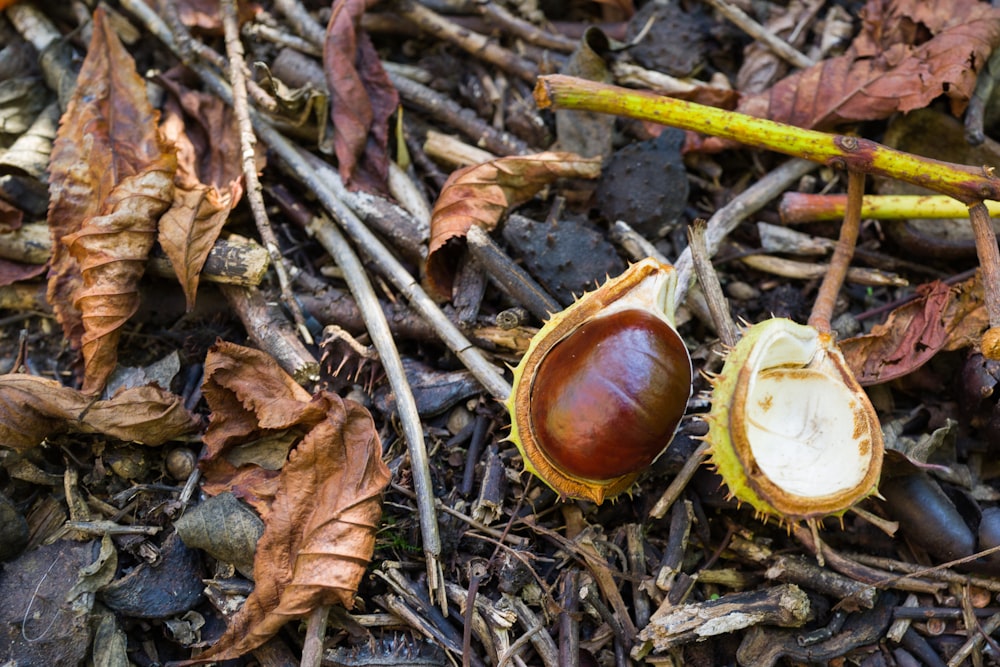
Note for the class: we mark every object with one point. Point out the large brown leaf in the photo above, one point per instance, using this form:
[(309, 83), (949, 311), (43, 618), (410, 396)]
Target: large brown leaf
[(361, 98), (888, 68), (481, 194), (320, 529), (33, 408), (209, 181), (111, 177), (941, 318)]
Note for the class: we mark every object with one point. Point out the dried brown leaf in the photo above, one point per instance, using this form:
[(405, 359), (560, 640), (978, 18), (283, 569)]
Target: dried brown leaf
[(320, 530), (361, 98), (249, 394), (14, 272), (33, 408), (190, 228), (111, 178), (209, 180), (888, 68), (942, 318), (206, 15), (205, 132), (481, 194)]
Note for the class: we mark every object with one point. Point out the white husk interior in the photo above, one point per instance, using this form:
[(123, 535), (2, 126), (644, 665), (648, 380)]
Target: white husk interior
[(801, 417)]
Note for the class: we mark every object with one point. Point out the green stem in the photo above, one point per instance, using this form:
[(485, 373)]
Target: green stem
[(967, 184), (797, 207)]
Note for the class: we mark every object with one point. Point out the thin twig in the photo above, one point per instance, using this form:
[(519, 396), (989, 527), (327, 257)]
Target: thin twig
[(989, 263), (673, 492), (510, 277), (497, 15), (474, 43), (728, 218), (761, 34), (718, 306), (826, 298), (312, 647), (431, 102), (974, 641), (302, 21), (248, 142)]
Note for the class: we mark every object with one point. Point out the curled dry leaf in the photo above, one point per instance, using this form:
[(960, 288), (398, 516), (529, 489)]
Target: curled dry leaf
[(908, 53), (941, 318), (319, 532), (888, 68), (361, 98), (224, 528), (111, 178), (482, 193), (33, 408), (209, 182)]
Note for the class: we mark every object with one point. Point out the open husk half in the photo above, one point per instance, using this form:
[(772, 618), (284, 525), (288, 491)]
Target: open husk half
[(790, 429)]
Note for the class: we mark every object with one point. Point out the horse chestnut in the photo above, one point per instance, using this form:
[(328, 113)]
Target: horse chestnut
[(603, 386)]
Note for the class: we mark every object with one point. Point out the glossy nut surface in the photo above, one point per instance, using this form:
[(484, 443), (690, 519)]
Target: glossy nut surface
[(607, 399), (603, 385)]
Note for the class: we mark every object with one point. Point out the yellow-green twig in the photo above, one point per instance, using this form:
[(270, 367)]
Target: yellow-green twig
[(967, 184)]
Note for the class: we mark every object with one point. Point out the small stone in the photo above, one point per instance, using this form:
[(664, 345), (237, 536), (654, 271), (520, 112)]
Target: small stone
[(741, 291)]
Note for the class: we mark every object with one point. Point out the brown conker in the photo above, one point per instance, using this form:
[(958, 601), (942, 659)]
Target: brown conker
[(607, 399), (603, 386)]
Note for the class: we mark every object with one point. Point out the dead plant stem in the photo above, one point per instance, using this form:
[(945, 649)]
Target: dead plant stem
[(989, 258), (676, 488), (709, 281), (248, 142), (732, 214), (312, 647), (761, 34), (826, 298), (474, 43)]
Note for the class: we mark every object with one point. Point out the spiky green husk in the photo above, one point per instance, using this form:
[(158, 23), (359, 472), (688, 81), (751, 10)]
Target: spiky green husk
[(781, 347), (648, 284)]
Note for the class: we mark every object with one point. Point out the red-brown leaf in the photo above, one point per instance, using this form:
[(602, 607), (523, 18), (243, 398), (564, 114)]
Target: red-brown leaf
[(14, 272), (886, 70), (111, 178), (481, 194), (942, 318), (320, 528), (33, 408), (361, 98)]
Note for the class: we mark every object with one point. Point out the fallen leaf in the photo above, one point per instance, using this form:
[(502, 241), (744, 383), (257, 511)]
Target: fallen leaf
[(361, 99), (248, 395), (34, 408), (209, 179), (319, 532), (225, 529), (14, 272), (206, 15), (888, 69), (481, 194), (111, 178), (10, 217), (942, 318)]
